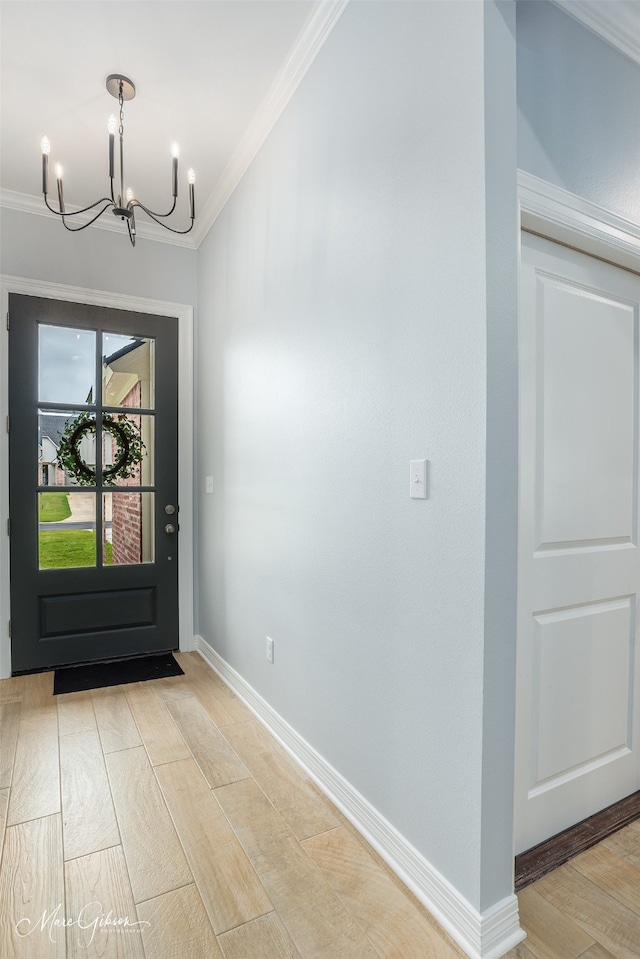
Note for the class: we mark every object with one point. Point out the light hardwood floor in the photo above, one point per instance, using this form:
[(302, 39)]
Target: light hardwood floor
[(161, 820)]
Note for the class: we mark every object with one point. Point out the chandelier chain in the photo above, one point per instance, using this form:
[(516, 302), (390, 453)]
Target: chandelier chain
[(121, 102)]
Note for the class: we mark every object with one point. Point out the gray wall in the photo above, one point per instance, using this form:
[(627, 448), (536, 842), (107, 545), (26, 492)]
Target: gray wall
[(355, 295), (578, 117), (38, 247), (496, 853)]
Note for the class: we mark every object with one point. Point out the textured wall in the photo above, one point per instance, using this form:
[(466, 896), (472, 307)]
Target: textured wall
[(344, 305)]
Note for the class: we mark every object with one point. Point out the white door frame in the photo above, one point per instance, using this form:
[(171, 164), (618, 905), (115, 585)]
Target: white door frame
[(558, 215), (136, 304), (566, 218)]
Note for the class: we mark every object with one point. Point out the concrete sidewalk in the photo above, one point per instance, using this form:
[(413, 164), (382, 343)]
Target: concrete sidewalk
[(83, 508)]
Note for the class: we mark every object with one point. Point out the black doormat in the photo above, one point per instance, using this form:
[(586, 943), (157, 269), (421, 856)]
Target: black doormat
[(71, 679)]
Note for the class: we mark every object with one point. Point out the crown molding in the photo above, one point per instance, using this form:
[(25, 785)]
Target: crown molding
[(26, 203), (302, 55), (304, 52), (611, 21)]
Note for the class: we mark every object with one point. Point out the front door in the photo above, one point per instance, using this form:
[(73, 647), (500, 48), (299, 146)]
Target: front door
[(578, 691), (92, 483)]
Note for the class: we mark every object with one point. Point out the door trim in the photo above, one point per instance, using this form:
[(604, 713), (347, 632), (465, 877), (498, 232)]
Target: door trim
[(571, 220), (135, 304)]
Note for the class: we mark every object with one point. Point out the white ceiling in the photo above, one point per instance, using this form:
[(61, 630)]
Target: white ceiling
[(213, 75)]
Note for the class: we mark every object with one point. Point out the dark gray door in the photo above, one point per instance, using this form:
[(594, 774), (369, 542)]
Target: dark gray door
[(93, 482)]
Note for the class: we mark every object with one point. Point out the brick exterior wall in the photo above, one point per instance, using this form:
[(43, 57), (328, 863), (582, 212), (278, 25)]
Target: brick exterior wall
[(126, 516), (126, 529)]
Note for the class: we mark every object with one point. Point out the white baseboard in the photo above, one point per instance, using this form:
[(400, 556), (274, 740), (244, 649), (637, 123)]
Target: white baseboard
[(482, 936)]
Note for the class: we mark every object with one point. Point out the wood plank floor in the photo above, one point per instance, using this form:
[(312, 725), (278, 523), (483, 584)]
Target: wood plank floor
[(161, 820)]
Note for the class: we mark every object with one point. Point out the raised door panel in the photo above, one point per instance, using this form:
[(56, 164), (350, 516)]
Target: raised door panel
[(587, 429), (582, 658)]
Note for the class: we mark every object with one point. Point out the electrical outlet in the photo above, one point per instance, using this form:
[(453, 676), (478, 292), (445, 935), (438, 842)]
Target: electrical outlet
[(270, 645)]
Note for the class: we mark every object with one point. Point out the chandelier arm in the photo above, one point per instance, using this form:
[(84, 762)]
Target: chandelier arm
[(132, 231), (104, 199), (76, 229), (153, 212), (159, 222)]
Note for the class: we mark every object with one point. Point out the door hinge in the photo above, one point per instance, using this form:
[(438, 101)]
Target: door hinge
[(8, 527), (7, 424), (7, 319), (9, 628)]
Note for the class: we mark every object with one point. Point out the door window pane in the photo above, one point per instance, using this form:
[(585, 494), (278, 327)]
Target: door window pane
[(66, 448), (66, 364), (51, 426), (66, 529), (127, 442), (128, 371), (128, 534)]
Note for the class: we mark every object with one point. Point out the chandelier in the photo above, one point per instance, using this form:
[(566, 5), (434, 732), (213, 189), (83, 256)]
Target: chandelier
[(125, 203)]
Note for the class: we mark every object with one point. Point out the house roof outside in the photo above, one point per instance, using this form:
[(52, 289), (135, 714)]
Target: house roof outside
[(52, 425)]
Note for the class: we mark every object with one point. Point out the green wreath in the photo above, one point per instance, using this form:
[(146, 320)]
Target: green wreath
[(130, 448)]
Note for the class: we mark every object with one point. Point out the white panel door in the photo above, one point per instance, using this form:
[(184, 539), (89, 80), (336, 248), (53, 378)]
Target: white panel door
[(578, 697)]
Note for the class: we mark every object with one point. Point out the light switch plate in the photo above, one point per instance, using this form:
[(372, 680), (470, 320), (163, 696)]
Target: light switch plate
[(418, 479), (208, 484)]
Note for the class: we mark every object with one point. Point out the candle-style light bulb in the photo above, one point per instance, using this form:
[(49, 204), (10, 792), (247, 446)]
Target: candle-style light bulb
[(175, 151), (45, 146), (60, 191), (112, 125), (191, 177), (130, 195)]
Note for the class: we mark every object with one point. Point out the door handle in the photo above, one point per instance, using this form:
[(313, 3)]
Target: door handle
[(169, 528)]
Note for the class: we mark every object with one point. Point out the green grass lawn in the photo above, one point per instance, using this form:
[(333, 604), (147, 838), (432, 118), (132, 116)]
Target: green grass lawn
[(66, 548), (53, 507)]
